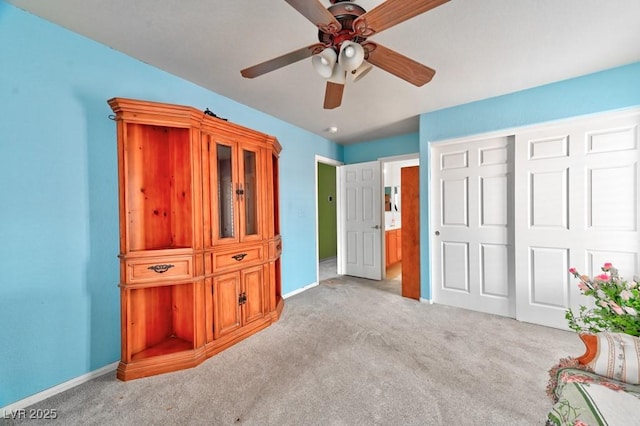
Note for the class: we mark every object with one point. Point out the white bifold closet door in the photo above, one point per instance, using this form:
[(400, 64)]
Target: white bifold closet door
[(576, 204), (511, 215)]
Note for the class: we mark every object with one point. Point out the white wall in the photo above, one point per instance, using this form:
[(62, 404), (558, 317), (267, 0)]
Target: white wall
[(391, 179)]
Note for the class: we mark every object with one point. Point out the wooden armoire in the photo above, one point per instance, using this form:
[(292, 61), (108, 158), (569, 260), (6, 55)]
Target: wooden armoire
[(199, 235)]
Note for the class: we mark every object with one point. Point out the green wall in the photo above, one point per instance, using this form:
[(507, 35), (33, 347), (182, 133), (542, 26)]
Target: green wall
[(327, 214)]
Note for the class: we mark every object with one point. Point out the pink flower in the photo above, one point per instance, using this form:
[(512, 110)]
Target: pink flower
[(626, 295), (616, 308), (573, 270), (579, 423), (582, 286), (631, 311), (603, 304), (602, 277), (607, 266)]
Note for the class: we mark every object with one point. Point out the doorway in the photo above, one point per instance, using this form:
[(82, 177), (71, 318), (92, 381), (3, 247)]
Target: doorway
[(328, 195), (393, 253), (327, 204)]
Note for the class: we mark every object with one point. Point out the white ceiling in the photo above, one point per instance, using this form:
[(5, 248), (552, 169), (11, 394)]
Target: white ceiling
[(479, 49)]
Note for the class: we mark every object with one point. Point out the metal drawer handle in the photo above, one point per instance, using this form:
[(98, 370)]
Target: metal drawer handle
[(239, 256), (160, 269)]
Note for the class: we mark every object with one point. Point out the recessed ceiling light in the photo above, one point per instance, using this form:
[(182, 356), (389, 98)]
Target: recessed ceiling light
[(332, 129)]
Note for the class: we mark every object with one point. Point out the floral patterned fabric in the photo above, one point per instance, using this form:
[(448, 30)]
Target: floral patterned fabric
[(587, 399)]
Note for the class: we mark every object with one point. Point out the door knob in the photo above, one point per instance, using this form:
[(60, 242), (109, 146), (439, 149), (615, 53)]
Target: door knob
[(375, 227), (437, 233)]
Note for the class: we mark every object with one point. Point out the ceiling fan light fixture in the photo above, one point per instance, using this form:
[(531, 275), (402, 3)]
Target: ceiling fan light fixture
[(339, 75), (343, 29), (324, 62), (361, 71), (351, 55)]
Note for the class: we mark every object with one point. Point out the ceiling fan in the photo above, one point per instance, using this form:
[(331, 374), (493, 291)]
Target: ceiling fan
[(343, 47)]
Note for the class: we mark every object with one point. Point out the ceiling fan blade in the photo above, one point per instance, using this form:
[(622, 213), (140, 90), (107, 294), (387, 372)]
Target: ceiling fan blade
[(281, 61), (390, 13), (333, 95), (319, 15), (398, 65)]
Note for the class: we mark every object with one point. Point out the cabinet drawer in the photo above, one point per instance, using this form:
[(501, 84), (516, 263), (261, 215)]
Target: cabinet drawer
[(159, 269), (237, 258)]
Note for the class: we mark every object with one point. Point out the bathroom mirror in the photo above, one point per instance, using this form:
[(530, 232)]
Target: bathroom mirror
[(391, 198)]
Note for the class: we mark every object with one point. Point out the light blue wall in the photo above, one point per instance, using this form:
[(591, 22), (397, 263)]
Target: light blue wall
[(59, 304), (613, 89), (380, 148)]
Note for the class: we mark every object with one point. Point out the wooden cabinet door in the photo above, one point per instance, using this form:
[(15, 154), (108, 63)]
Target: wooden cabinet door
[(239, 299), (392, 247), (253, 288), (222, 191), (227, 313), (250, 184), (387, 253), (235, 191), (399, 244)]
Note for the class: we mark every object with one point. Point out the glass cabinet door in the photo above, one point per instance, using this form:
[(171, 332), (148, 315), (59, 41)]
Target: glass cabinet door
[(250, 192), (236, 211), (225, 191)]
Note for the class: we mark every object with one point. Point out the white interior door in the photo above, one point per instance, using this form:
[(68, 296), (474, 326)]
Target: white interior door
[(362, 219), (577, 204), (472, 220)]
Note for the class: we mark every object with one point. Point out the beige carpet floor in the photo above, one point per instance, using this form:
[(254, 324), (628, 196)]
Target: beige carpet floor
[(347, 352)]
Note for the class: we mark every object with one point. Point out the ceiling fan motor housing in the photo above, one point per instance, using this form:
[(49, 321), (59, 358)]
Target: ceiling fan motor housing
[(346, 13)]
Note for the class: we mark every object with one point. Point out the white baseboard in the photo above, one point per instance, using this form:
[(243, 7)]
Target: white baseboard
[(300, 290), (47, 393)]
